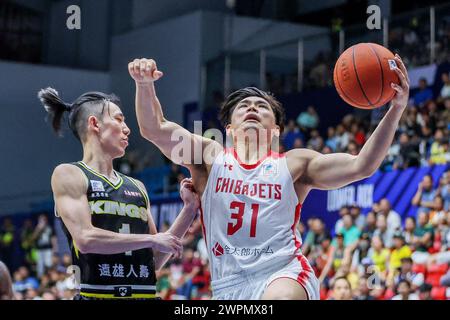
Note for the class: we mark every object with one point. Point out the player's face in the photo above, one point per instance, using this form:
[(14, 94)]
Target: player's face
[(114, 133), (253, 113)]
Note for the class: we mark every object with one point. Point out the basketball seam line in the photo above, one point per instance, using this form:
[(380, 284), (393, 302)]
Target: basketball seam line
[(342, 90), (382, 72), (357, 78)]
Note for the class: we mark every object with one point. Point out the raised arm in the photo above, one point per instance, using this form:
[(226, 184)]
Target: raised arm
[(332, 171), (183, 221), (69, 187), (177, 143)]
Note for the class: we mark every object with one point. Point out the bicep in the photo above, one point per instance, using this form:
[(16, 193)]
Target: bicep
[(331, 171), (184, 147)]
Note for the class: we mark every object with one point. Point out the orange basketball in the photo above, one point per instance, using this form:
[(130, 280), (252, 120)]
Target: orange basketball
[(363, 75)]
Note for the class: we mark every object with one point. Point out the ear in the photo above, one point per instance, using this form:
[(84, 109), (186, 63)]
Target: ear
[(228, 130), (94, 123)]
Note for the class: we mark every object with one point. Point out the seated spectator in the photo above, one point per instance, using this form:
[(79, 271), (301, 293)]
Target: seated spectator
[(379, 255), (341, 289), (352, 148), (409, 154), (358, 218), (350, 232), (438, 152), (444, 189), (406, 273), (370, 224), (382, 231), (399, 252), (424, 195), (308, 119), (315, 142), (7, 234), (393, 219), (423, 234), (361, 253), (316, 232), (445, 90), (404, 292), (364, 290), (425, 291), (331, 141), (358, 134), (340, 223), (408, 232), (342, 138), (339, 250), (291, 133), (424, 95)]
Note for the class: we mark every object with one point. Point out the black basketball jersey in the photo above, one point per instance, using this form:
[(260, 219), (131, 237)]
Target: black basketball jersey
[(120, 207)]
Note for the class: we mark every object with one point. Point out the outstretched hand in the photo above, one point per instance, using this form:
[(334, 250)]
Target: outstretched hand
[(402, 95)]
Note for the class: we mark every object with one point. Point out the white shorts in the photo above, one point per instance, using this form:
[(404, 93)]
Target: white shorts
[(251, 286)]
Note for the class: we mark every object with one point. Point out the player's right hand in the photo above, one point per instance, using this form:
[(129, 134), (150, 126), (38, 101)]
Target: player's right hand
[(167, 243), (144, 70)]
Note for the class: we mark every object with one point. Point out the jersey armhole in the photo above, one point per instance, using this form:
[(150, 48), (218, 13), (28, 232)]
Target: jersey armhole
[(86, 179), (144, 194)]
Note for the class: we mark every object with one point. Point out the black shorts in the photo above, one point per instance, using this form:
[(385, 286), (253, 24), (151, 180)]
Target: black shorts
[(80, 297)]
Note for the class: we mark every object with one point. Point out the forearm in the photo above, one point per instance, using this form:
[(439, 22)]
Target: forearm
[(100, 241), (375, 149), (416, 199), (148, 110), (179, 228)]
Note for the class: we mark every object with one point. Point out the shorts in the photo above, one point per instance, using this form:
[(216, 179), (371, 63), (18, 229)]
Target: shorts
[(251, 285)]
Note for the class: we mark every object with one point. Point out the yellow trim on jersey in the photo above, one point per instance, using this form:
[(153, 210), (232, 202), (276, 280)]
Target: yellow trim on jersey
[(117, 186), (111, 296), (144, 194), (76, 249)]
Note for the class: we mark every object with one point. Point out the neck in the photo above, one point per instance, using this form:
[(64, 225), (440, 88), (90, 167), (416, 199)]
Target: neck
[(251, 152), (98, 160)]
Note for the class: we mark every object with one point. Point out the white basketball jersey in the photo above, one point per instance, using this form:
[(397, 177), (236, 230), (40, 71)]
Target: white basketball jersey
[(249, 214)]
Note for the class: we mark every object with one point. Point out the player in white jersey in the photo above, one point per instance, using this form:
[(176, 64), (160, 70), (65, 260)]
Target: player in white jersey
[(251, 196)]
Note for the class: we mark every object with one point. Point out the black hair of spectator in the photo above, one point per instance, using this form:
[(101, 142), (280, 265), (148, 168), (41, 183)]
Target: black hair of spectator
[(89, 103), (235, 97)]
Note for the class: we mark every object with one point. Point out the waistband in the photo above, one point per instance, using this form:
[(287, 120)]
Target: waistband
[(251, 275), (117, 291)]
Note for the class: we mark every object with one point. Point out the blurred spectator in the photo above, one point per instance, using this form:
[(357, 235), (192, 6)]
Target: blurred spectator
[(173, 179), (7, 234), (425, 291), (308, 119), (6, 290), (408, 232), (444, 189), (331, 141), (404, 292), (445, 90), (45, 242), (350, 232), (364, 290), (409, 155), (399, 252), (291, 133), (438, 152), (340, 223), (341, 289), (370, 224), (423, 234), (393, 219), (315, 142), (358, 219), (424, 95), (23, 281), (379, 255), (27, 243), (316, 232), (424, 195), (342, 138), (406, 273), (382, 231)]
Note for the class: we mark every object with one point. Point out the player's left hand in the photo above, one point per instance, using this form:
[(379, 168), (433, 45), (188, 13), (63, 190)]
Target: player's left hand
[(401, 97), (188, 194)]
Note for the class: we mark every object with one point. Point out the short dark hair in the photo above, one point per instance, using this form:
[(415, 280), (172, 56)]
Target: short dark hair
[(233, 99), (84, 106)]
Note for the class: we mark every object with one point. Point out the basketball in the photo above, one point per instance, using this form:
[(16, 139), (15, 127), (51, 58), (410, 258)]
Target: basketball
[(363, 75)]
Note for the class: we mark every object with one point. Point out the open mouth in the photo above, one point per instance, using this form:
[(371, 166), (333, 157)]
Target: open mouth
[(251, 117)]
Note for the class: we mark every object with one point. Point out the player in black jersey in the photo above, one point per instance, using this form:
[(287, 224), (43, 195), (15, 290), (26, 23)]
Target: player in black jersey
[(106, 214)]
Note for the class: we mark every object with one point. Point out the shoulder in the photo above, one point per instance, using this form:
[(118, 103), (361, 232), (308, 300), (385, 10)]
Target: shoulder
[(68, 175), (302, 153)]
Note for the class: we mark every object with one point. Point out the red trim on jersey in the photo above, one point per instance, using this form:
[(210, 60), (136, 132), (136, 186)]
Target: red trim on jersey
[(298, 242), (203, 225), (272, 154)]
